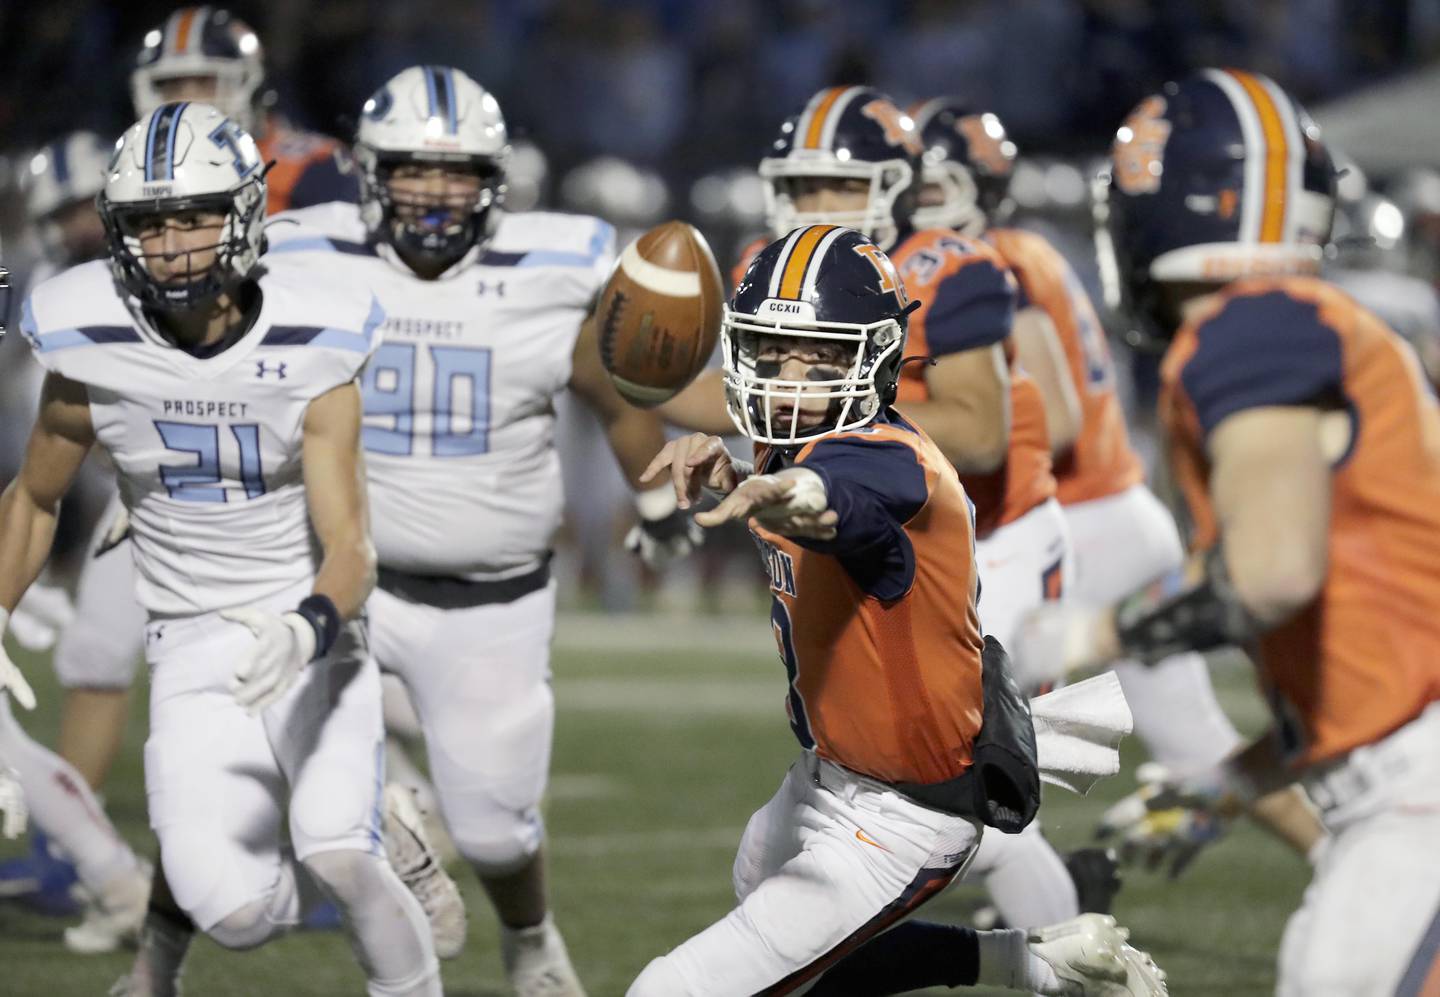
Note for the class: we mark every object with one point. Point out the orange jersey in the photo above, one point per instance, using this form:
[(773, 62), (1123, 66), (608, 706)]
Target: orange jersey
[(309, 169), (967, 296), (1364, 658), (1101, 462), (878, 628)]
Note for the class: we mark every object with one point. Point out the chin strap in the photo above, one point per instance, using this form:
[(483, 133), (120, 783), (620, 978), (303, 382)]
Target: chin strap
[(1166, 619)]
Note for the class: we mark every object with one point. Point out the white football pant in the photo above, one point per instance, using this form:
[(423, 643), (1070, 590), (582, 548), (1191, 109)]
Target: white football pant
[(833, 860)]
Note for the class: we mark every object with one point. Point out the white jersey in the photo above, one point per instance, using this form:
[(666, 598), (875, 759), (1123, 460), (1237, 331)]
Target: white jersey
[(459, 403), (207, 450)]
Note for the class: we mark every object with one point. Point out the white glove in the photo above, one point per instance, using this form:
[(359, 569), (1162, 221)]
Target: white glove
[(665, 533), (1169, 820), (13, 810), (11, 677), (284, 645)]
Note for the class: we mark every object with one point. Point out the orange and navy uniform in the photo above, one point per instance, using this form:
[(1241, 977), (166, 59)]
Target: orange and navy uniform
[(1364, 658), (309, 169), (878, 628), (1101, 462), (967, 298)]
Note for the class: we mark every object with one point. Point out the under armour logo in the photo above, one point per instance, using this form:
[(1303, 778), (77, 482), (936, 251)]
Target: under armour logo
[(262, 369), (155, 633), (484, 287)]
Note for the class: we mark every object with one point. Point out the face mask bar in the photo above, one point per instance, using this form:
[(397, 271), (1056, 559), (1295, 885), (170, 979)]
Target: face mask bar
[(442, 229), (4, 299), (852, 400), (876, 221), (129, 261), (960, 209)]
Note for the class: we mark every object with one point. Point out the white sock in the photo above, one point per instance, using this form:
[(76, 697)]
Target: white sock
[(1006, 961), (388, 929), (63, 806), (1026, 878)]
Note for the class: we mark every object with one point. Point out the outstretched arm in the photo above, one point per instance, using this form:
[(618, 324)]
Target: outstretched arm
[(634, 434), (62, 436), (335, 493)]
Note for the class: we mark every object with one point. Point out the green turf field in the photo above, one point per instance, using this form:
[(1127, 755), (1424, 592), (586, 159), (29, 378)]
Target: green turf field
[(670, 733)]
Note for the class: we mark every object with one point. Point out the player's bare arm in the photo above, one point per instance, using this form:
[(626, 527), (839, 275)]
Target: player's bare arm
[(634, 434), (335, 495), (701, 406), (968, 411), (58, 444), (1043, 358), (1271, 484)]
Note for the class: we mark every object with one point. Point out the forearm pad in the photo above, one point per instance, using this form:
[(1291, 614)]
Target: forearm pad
[(1158, 622)]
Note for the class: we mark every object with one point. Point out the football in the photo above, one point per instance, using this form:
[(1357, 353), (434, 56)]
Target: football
[(659, 314)]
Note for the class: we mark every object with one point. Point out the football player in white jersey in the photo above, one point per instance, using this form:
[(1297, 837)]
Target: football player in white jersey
[(225, 393), (489, 318)]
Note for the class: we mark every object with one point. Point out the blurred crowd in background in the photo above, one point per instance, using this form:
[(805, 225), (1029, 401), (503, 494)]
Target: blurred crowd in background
[(638, 110)]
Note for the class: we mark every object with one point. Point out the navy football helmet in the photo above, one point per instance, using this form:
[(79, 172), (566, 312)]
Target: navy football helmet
[(970, 159), (1220, 176), (823, 287), (846, 132), (202, 42)]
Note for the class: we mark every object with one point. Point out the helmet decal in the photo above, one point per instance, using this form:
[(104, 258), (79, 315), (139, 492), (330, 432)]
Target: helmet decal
[(889, 279), (899, 129), (1139, 148)]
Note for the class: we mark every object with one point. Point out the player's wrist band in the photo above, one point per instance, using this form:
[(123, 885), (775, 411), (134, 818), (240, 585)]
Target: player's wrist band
[(319, 611), (1154, 626)]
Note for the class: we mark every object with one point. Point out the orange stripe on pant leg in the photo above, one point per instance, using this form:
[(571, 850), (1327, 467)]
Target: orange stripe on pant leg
[(1277, 156), (182, 30), (928, 883), (817, 120), (793, 279)]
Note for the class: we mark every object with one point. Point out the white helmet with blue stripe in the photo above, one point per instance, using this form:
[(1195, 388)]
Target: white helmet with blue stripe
[(432, 116), (68, 171), (182, 158)]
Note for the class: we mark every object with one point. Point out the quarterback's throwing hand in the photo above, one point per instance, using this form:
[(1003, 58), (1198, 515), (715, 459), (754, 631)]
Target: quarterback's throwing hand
[(792, 503), (284, 644), (696, 462)]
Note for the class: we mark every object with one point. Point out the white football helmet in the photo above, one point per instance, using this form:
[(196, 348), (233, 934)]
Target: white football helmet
[(202, 42), (182, 158), (437, 116), (68, 171)]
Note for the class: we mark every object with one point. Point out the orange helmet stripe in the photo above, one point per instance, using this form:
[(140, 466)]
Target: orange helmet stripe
[(1277, 156), (792, 279), (182, 29), (817, 119)]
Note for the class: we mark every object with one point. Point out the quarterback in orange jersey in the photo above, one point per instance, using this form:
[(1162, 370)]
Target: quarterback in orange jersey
[(1308, 448), (896, 699), (205, 54), (851, 157)]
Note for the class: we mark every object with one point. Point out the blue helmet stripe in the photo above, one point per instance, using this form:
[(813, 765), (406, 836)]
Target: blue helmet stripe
[(451, 101), (60, 159), (150, 144), (429, 73), (170, 140)]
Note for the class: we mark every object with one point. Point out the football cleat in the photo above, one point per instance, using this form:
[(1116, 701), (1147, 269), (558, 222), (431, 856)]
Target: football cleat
[(537, 963), (1092, 958), (113, 915), (419, 868)]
